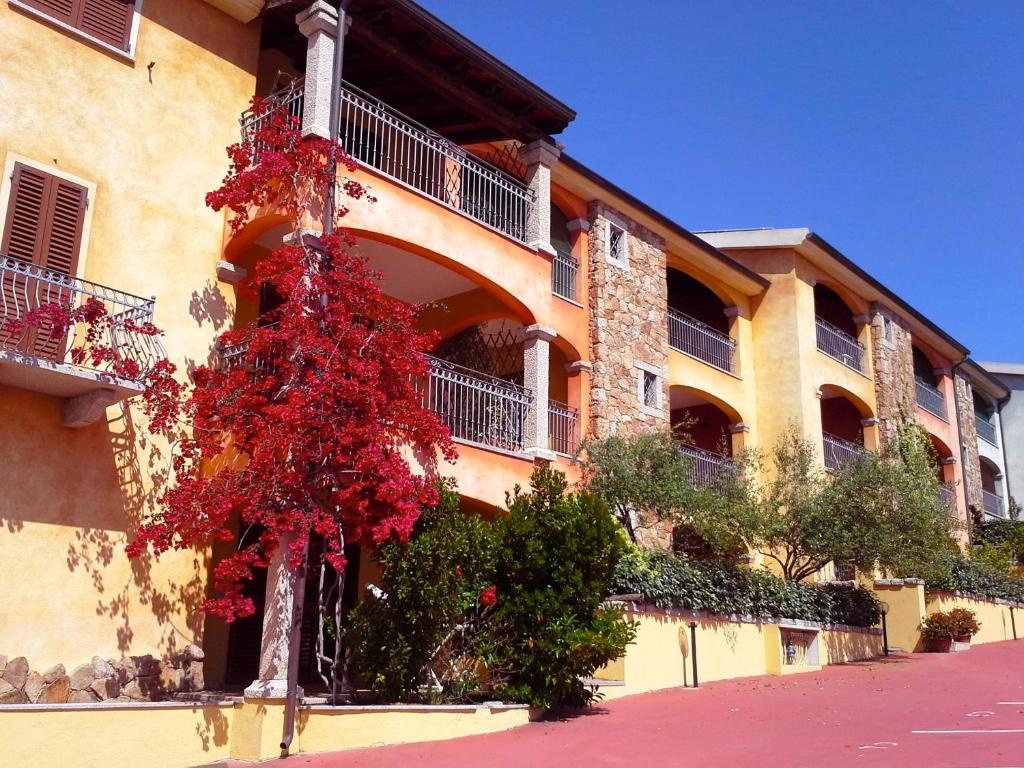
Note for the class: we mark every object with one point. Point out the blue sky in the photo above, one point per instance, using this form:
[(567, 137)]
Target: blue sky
[(893, 129)]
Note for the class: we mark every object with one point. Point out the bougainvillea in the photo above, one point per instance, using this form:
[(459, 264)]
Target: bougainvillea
[(308, 424)]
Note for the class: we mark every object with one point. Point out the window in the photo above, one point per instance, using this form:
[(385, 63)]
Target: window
[(106, 21), (651, 398), (617, 244)]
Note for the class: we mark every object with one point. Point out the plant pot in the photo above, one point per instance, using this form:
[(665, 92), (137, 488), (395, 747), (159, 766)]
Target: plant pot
[(963, 639), (962, 643), (938, 644)]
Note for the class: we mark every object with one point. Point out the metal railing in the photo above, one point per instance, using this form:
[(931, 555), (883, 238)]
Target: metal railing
[(986, 429), (948, 494), (563, 428), (705, 466), (26, 287), (840, 452), (477, 407), (929, 398), (993, 503), (289, 98), (397, 146), (692, 337), (839, 345), (564, 268)]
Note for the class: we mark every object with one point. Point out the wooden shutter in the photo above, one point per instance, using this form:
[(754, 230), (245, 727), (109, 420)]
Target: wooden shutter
[(45, 215), (107, 20), (61, 10)]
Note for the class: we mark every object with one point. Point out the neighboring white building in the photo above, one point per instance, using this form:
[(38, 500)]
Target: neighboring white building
[(1009, 422)]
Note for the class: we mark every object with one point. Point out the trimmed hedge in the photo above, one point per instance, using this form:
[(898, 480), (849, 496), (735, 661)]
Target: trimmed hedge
[(673, 581), (980, 580)]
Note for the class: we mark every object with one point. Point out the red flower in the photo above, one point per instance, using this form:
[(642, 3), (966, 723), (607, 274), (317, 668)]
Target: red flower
[(458, 572), (489, 596)]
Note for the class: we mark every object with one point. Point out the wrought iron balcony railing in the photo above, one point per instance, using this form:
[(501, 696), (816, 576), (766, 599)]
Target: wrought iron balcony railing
[(993, 503), (476, 407), (986, 429), (947, 494), (839, 345), (397, 146), (563, 428), (25, 287), (930, 399), (564, 269), (696, 339), (289, 98), (706, 467), (840, 452)]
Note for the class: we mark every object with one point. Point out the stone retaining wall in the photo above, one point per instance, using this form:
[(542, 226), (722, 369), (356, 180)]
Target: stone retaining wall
[(130, 678)]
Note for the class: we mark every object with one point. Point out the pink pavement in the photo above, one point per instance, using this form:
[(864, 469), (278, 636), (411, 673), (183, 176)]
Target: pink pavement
[(877, 713)]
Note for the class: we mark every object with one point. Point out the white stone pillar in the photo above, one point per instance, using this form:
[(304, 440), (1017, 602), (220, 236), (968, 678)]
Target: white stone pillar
[(319, 23), (536, 376), (282, 615), (539, 157)]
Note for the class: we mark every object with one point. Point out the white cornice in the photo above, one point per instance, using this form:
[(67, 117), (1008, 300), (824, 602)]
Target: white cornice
[(243, 10)]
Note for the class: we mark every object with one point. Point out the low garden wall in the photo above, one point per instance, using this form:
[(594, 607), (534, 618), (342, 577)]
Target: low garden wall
[(995, 617), (727, 647)]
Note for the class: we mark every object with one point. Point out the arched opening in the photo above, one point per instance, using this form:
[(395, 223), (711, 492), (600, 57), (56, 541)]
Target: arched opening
[(945, 471), (991, 487), (926, 385), (697, 322), (704, 430), (830, 307), (842, 430), (985, 418), (924, 371)]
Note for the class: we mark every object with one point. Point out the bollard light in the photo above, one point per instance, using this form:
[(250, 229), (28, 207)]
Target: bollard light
[(883, 608), (693, 650)]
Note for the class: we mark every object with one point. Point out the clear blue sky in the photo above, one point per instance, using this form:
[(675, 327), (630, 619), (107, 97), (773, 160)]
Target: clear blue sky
[(895, 130)]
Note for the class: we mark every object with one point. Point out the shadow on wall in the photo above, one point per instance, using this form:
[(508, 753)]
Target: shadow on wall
[(215, 728)]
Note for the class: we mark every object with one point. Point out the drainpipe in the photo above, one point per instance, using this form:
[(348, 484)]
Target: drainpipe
[(295, 639), (963, 445)]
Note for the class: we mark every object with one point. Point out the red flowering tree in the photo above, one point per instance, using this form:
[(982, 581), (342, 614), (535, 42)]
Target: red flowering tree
[(308, 424)]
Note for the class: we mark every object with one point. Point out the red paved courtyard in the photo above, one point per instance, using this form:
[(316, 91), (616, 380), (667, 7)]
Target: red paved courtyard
[(962, 710)]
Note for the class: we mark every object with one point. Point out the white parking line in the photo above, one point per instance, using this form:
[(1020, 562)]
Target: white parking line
[(991, 730), (1012, 703)]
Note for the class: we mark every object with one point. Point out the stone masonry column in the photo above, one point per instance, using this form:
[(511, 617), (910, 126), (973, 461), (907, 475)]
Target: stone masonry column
[(539, 156), (281, 616), (536, 375), (319, 24)]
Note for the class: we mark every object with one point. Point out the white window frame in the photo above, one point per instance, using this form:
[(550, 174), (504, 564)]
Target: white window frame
[(133, 36), (609, 223), (660, 376)]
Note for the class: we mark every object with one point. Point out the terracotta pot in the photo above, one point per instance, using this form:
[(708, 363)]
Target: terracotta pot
[(939, 644), (963, 639)]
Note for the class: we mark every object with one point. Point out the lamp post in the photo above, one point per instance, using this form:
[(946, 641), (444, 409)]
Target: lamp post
[(693, 650), (883, 608)]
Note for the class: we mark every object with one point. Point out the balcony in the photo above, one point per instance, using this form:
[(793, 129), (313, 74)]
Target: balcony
[(930, 399), (564, 269), (947, 494), (839, 345), (840, 452), (986, 429), (696, 339), (705, 466), (992, 503), (563, 428), (31, 358), (412, 155)]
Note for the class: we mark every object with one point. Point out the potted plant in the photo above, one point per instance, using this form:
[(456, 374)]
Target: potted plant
[(965, 626), (938, 631)]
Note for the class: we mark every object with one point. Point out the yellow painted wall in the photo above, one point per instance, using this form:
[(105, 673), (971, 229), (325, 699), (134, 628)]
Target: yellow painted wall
[(994, 618), (906, 610), (152, 141), (157, 737)]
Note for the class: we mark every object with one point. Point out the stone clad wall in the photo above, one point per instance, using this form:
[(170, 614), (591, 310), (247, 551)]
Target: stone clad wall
[(893, 361), (630, 326), (969, 435)]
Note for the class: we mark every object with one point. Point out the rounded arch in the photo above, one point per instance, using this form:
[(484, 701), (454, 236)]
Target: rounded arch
[(561, 238), (990, 474), (723, 293), (834, 390), (693, 297), (571, 206), (924, 365), (682, 394), (853, 303), (942, 450), (242, 241)]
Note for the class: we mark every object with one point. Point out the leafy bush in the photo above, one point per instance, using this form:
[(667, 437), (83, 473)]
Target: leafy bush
[(965, 622), (510, 609), (977, 579), (556, 555), (673, 581), (939, 626), (430, 590)]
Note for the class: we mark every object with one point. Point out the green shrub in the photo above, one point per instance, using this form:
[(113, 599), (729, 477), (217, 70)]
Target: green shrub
[(508, 609), (673, 581), (978, 579), (556, 555), (939, 626)]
